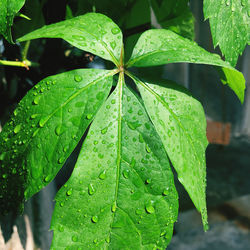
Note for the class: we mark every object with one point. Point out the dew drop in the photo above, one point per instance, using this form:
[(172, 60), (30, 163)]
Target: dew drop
[(60, 160), (58, 129), (125, 174), (113, 208), (42, 121), (61, 204), (94, 219), (104, 131), (115, 30), (148, 148), (77, 78), (107, 239), (47, 178), (148, 181), (165, 192), (4, 176), (69, 192), (74, 238), (91, 189), (36, 100), (102, 175), (95, 241), (149, 208), (17, 128), (113, 45), (89, 116)]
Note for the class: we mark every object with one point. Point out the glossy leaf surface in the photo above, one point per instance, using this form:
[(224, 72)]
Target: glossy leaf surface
[(230, 26), (180, 122), (121, 194), (44, 130), (8, 10), (92, 32), (158, 47)]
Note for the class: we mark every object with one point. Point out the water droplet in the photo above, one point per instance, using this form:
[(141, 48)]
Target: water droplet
[(43, 121), (165, 192), (94, 219), (47, 178), (141, 140), (17, 128), (91, 189), (102, 175), (113, 101), (140, 112), (4, 176), (149, 208), (113, 45), (60, 160), (243, 2), (147, 148), (89, 116), (36, 100), (104, 131), (65, 149), (227, 2), (69, 110), (148, 181), (74, 238), (61, 204), (58, 129), (69, 192), (95, 241), (125, 174), (115, 30), (113, 208), (107, 239), (77, 78)]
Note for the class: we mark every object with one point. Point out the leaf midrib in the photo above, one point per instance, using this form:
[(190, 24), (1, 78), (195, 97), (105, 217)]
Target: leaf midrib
[(175, 117), (135, 60)]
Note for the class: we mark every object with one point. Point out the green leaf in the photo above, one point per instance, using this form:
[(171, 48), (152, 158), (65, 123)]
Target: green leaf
[(180, 122), (175, 15), (92, 32), (121, 194), (44, 130), (8, 10), (230, 26), (158, 47)]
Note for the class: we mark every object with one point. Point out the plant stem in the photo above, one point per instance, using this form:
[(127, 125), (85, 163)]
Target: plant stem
[(26, 63), (25, 50)]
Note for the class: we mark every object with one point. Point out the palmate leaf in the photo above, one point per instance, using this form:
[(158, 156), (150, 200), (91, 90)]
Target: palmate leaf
[(92, 32), (158, 47), (121, 194), (44, 130), (180, 122), (8, 10), (230, 25)]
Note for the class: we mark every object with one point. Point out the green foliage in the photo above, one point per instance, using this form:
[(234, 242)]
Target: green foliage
[(121, 194), (229, 22), (8, 10), (158, 47)]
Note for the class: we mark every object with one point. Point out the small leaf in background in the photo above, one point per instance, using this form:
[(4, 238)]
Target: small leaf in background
[(175, 15), (92, 32), (8, 10), (33, 10), (121, 194), (180, 121), (230, 26), (158, 47), (44, 130)]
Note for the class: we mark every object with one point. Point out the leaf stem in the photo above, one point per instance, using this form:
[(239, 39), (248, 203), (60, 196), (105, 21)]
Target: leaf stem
[(25, 63), (25, 50)]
